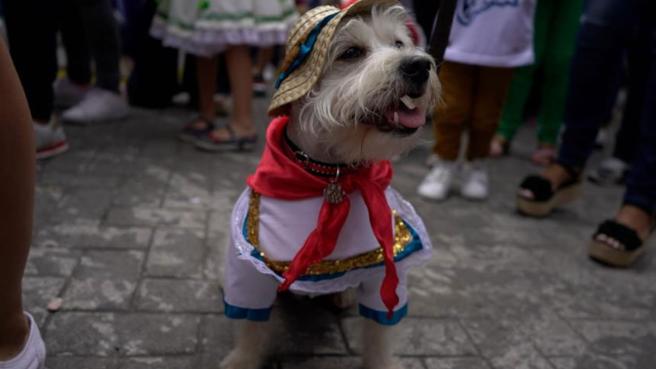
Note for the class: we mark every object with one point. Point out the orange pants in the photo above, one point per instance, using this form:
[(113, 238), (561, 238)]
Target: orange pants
[(473, 97)]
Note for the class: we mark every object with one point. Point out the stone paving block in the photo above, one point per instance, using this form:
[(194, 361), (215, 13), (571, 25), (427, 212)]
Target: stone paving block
[(345, 362), (521, 358), (306, 328), (219, 221), (505, 344), (419, 336), (212, 360), (456, 363), (552, 336), (607, 299), (130, 334), (179, 296), (46, 199), (76, 362), (90, 235), (37, 292), (51, 261), (176, 253), (216, 246), (104, 280), (619, 338), (85, 203), (217, 336), (597, 361), (161, 362), (188, 191), (138, 193), (146, 216)]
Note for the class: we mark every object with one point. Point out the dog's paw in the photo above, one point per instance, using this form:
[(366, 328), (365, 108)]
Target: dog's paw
[(238, 359)]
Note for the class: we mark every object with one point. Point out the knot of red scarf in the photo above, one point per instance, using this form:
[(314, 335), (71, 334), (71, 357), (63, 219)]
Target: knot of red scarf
[(282, 177)]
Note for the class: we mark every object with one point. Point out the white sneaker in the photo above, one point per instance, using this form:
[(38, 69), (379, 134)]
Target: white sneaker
[(50, 139), (68, 93), (98, 105), (33, 355), (437, 183), (610, 171), (474, 182)]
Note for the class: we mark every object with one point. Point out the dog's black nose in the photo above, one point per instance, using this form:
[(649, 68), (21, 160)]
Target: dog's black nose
[(416, 70)]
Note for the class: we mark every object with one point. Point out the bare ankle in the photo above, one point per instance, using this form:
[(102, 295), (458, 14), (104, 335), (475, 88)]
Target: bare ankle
[(556, 174), (636, 219)]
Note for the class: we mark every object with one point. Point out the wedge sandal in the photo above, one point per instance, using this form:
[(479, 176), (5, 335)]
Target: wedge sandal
[(616, 245), (537, 198)]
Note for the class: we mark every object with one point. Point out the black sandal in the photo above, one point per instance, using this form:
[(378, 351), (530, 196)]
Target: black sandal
[(209, 142), (616, 245), (191, 132), (536, 197)]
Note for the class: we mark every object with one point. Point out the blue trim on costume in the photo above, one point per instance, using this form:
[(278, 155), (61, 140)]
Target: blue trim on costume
[(236, 312), (304, 49), (380, 317), (410, 248)]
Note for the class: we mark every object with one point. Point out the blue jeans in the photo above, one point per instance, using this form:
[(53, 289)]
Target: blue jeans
[(608, 28)]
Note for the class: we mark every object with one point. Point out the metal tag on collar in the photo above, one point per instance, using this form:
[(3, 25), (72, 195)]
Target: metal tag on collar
[(334, 193)]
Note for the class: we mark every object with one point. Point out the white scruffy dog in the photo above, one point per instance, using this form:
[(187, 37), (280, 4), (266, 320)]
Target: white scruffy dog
[(369, 103)]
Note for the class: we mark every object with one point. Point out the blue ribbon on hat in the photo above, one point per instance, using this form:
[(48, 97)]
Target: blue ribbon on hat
[(304, 49)]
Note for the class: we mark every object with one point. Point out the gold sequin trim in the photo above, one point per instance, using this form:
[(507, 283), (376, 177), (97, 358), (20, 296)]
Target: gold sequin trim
[(402, 238)]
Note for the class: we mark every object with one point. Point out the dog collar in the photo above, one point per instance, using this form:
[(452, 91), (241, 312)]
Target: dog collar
[(313, 166)]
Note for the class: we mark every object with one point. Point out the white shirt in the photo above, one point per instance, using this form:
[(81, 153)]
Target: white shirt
[(492, 33)]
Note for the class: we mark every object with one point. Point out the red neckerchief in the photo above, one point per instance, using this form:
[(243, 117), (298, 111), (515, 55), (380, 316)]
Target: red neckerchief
[(282, 177)]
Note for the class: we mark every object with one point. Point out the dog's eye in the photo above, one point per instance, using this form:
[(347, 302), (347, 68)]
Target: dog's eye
[(352, 53), (398, 44)]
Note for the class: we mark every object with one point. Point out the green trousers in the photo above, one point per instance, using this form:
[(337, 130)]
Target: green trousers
[(556, 25)]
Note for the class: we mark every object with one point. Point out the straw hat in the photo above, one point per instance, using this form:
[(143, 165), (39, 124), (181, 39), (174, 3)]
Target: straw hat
[(300, 73)]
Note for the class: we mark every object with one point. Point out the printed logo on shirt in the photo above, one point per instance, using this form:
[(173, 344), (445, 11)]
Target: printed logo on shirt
[(468, 10)]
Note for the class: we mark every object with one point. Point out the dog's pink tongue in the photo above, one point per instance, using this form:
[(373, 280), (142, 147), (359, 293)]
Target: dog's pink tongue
[(414, 118)]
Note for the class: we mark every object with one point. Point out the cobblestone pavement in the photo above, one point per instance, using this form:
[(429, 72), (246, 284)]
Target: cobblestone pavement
[(130, 223)]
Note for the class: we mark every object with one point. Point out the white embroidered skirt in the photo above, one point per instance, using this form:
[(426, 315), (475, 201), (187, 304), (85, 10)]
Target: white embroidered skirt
[(208, 27)]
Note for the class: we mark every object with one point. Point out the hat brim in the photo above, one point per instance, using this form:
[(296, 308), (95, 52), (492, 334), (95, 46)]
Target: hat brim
[(301, 81)]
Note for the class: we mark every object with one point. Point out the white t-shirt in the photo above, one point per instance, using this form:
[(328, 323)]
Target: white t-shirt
[(492, 33)]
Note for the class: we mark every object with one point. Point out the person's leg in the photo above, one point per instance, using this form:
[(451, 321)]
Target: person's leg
[(453, 113), (449, 119), (78, 59), (490, 94), (240, 68), (638, 67), (16, 200), (101, 31), (641, 182), (604, 32), (33, 51), (561, 41), (522, 80), (206, 78)]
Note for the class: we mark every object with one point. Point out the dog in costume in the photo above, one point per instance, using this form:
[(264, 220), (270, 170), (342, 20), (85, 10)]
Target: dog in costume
[(319, 215)]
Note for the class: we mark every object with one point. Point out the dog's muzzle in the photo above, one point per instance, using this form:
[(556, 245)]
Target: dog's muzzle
[(415, 72)]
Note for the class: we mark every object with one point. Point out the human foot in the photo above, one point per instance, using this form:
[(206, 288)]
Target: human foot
[(31, 352), (539, 195), (499, 146), (544, 155), (621, 241), (228, 137)]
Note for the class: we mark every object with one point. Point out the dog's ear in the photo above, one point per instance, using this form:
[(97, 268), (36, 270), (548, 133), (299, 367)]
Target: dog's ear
[(415, 33)]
